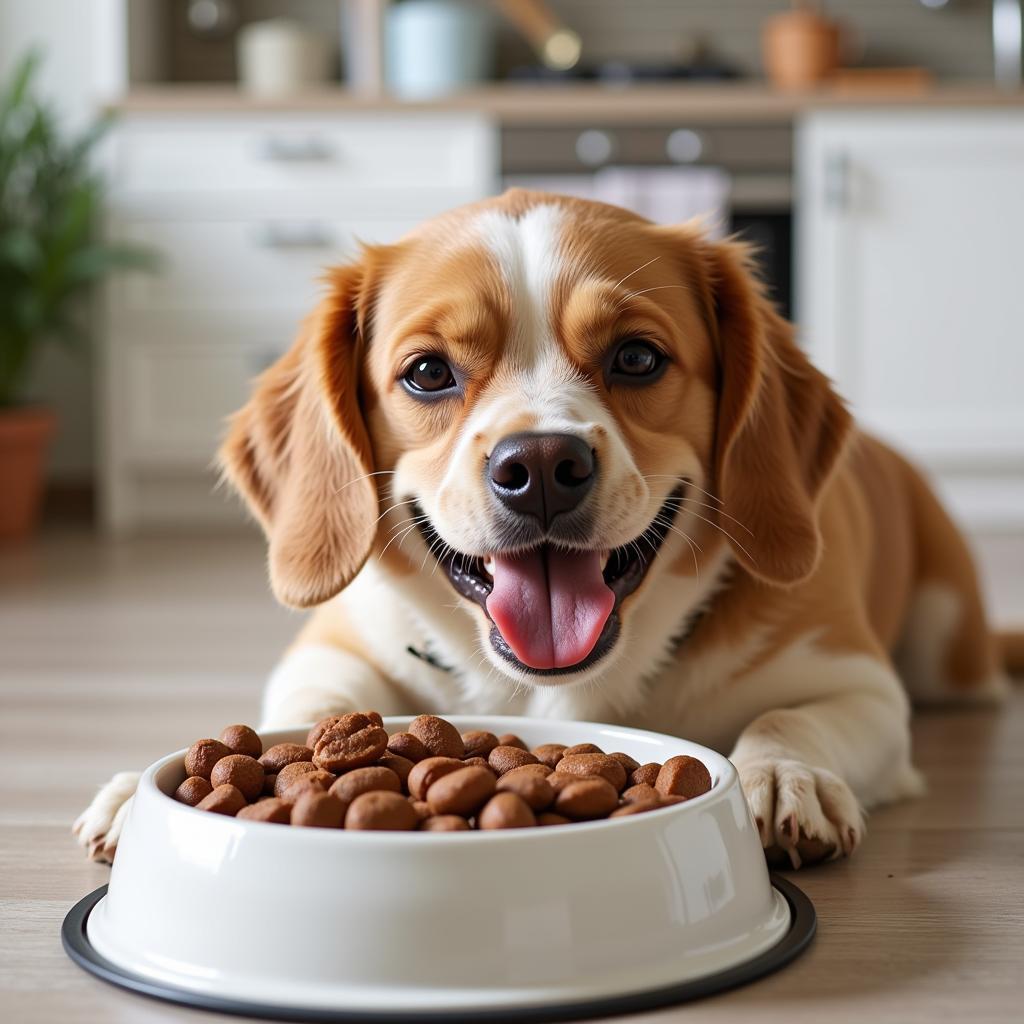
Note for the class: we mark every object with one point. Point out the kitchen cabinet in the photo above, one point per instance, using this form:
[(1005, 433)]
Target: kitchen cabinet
[(245, 212), (910, 289)]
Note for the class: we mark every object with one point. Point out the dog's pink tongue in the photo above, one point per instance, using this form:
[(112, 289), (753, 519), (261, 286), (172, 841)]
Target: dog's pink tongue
[(550, 606)]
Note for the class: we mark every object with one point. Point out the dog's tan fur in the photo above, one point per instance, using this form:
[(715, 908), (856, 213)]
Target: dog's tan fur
[(806, 558)]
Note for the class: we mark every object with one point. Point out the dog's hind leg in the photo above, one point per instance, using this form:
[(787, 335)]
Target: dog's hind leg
[(946, 651)]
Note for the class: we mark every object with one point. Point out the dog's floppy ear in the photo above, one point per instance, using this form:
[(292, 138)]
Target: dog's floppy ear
[(300, 455), (781, 428)]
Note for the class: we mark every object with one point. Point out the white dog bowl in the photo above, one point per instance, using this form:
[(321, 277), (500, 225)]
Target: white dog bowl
[(313, 924)]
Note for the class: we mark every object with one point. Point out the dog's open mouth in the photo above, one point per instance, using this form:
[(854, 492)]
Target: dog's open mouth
[(554, 611)]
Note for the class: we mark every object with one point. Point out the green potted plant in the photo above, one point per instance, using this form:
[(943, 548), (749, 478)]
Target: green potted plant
[(50, 258)]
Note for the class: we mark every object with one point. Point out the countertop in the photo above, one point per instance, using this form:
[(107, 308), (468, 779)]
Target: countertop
[(112, 654), (740, 102)]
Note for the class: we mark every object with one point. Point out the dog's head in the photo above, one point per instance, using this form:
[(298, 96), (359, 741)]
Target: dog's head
[(559, 405)]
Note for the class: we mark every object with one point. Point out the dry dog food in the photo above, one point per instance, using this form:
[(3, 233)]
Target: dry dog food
[(351, 774)]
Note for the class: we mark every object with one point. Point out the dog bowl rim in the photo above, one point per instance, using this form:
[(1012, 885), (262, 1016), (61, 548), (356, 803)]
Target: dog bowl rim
[(722, 771)]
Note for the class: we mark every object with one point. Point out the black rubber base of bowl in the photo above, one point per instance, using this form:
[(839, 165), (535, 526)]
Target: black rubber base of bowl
[(797, 939)]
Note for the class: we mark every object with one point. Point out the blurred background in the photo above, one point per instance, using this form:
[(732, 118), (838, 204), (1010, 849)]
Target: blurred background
[(873, 149)]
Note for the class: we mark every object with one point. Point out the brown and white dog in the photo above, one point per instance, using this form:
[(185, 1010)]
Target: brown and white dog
[(543, 457)]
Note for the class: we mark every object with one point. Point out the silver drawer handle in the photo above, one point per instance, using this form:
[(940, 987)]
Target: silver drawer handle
[(837, 181), (294, 236), (296, 150)]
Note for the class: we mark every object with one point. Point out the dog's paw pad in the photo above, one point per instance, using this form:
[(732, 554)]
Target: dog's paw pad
[(98, 827), (803, 814)]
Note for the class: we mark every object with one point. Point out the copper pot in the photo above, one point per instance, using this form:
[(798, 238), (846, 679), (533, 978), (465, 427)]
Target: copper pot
[(801, 48)]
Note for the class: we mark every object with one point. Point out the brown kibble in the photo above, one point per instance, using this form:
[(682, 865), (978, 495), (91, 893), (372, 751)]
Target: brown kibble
[(479, 743), (274, 811), (549, 753), (422, 809), (478, 762), (379, 811), (504, 758), (351, 742), (534, 789), (401, 766), (290, 772), (242, 740), (530, 769), (461, 792), (203, 755), (559, 780), (441, 738), (636, 807), (594, 764), (505, 810), (510, 739), (587, 799), (314, 734), (316, 809), (194, 789), (426, 773), (629, 763), (281, 754), (444, 823), (404, 744), (645, 775), (225, 799), (550, 818), (683, 776), (582, 748), (365, 780), (320, 781), (240, 770), (640, 792), (367, 717)]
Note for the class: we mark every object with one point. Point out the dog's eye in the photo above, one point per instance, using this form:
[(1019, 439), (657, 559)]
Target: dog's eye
[(429, 373), (635, 359)]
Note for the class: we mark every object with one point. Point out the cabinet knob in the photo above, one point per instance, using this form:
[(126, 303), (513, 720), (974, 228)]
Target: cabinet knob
[(684, 146), (301, 150), (595, 147)]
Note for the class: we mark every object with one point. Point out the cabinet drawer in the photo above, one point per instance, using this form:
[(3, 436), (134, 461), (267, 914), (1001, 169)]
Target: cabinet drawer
[(177, 397), (239, 265), (270, 153)]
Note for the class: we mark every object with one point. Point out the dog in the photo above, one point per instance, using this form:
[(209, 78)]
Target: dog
[(544, 457)]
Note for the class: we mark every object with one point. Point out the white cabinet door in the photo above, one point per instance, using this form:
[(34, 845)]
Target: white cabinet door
[(911, 288)]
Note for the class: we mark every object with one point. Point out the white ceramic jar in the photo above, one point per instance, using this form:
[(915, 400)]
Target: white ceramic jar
[(280, 58)]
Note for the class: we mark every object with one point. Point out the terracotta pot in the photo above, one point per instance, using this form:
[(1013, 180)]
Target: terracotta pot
[(25, 433), (801, 48)]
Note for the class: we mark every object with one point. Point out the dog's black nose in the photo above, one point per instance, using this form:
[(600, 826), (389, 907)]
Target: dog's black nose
[(541, 474)]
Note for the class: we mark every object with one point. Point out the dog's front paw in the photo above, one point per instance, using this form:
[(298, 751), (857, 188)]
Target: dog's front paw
[(803, 814), (98, 827)]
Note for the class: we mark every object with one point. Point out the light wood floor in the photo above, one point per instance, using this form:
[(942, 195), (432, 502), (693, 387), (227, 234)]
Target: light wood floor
[(111, 655)]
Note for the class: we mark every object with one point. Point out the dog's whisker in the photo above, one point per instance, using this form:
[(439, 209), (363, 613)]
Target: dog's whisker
[(404, 534), (726, 533), (399, 504), (643, 266), (366, 476), (704, 504), (672, 528), (644, 291)]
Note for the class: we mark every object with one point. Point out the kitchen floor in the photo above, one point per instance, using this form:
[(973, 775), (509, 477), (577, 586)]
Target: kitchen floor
[(112, 653)]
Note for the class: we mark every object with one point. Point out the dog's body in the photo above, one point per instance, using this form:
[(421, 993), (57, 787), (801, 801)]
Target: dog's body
[(544, 458)]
